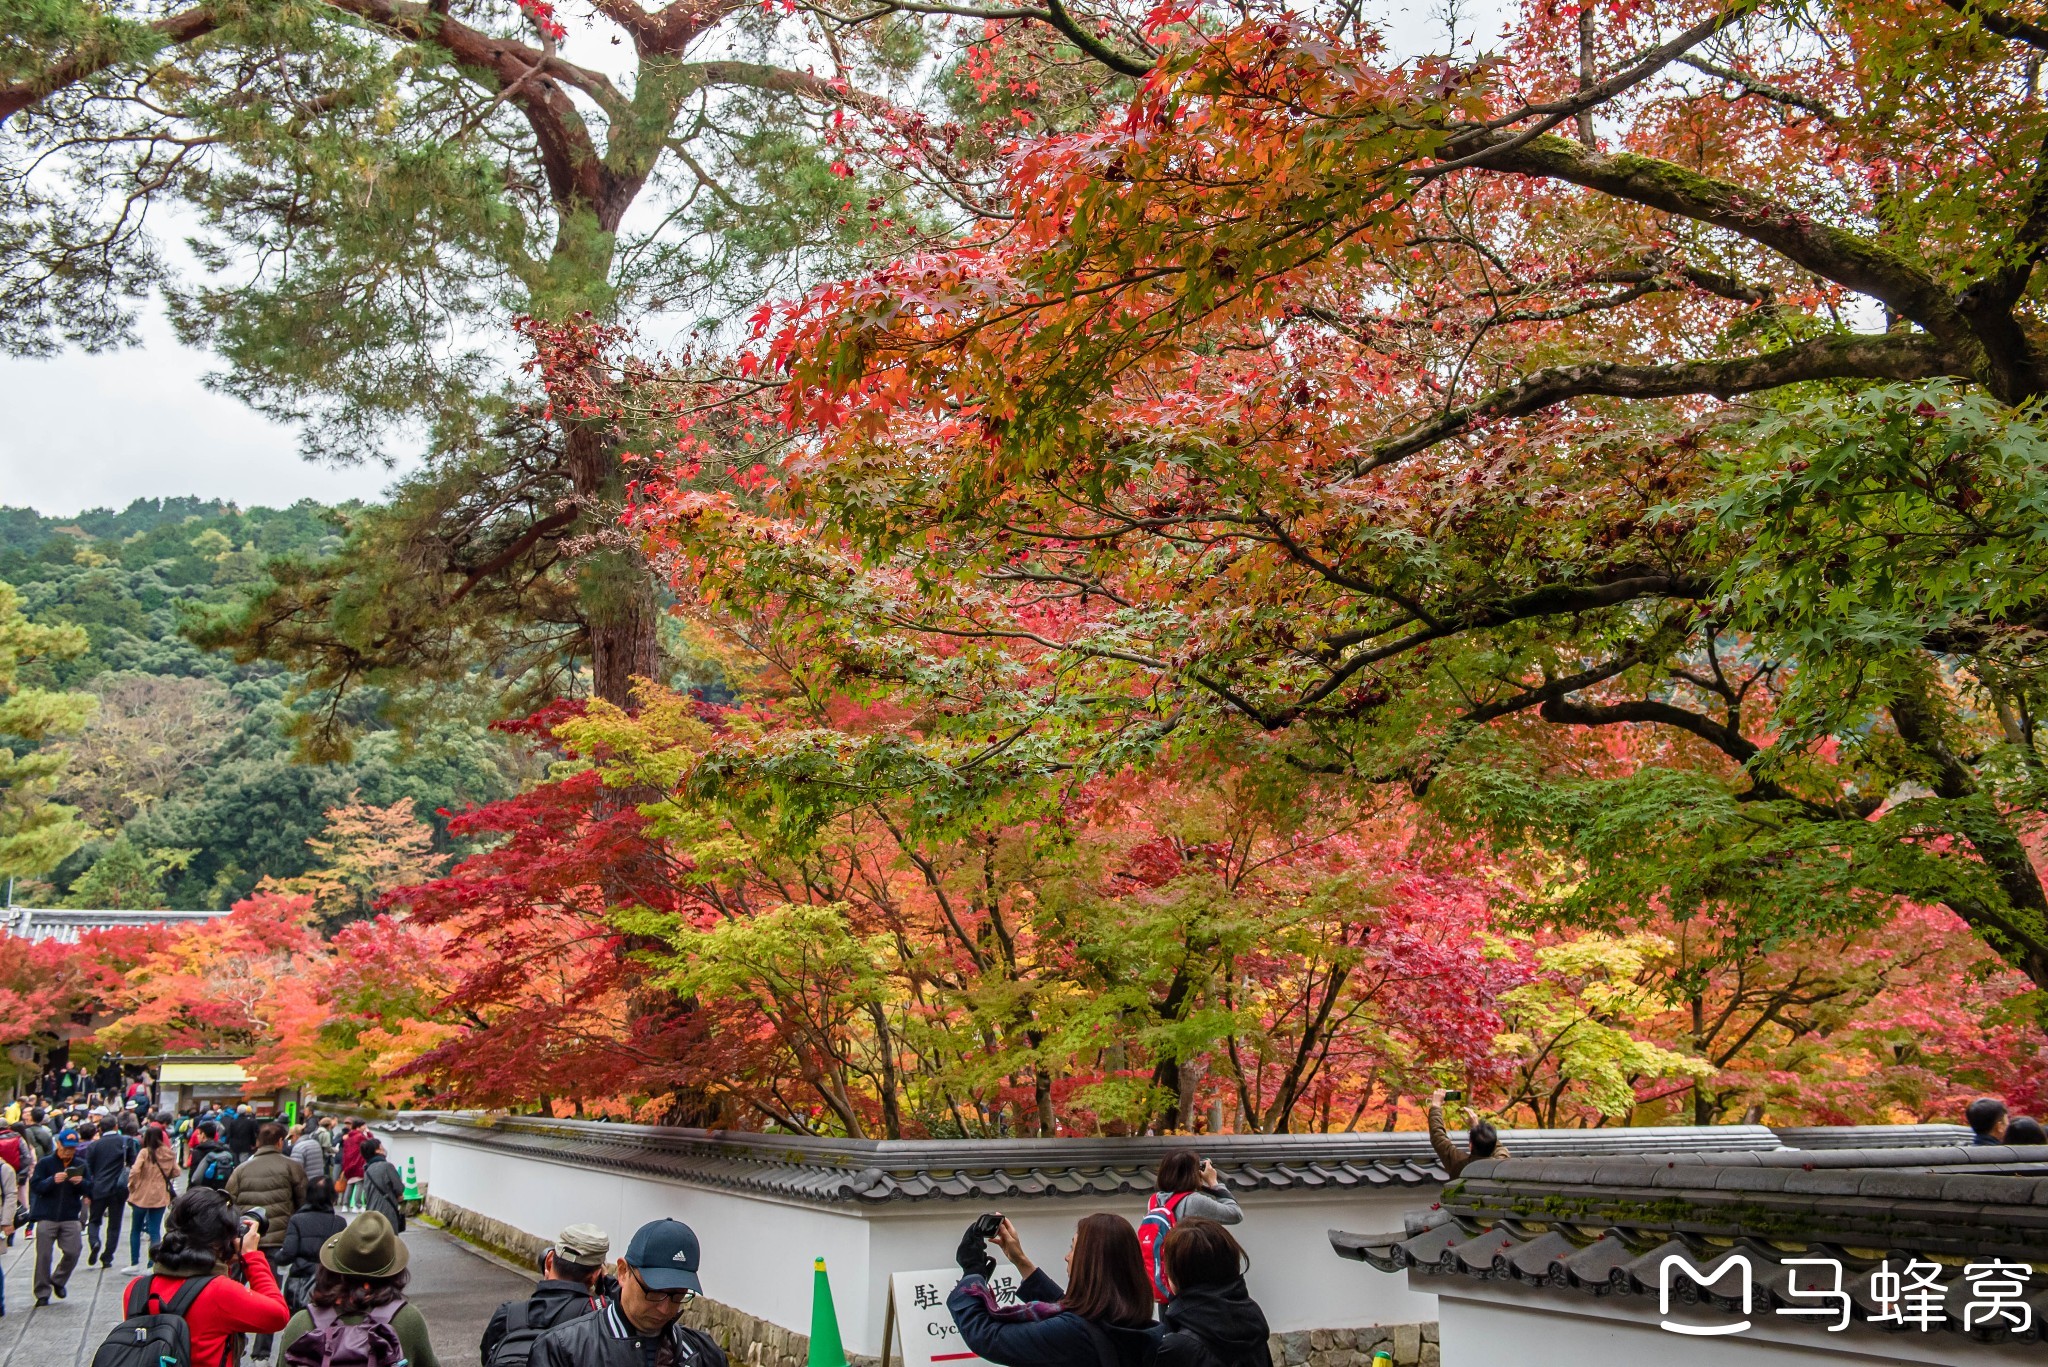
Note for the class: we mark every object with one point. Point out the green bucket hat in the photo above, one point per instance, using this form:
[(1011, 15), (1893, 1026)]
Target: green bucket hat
[(367, 1248)]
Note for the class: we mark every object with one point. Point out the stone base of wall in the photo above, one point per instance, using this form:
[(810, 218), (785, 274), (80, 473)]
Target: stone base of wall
[(755, 1342), (515, 1245), (1413, 1345)]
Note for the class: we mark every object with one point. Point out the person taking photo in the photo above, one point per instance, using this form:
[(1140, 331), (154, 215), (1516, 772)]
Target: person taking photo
[(1103, 1315), (1189, 1188), (1481, 1141), (205, 1237)]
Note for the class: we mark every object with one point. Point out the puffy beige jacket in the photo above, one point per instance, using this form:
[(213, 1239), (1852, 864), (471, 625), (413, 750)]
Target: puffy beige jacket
[(272, 1181), (149, 1181)]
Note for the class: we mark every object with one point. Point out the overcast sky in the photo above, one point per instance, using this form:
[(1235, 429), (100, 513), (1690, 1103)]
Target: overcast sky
[(100, 431)]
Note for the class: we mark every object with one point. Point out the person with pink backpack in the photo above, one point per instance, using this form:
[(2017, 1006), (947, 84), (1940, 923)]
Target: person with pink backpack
[(1188, 1187), (357, 1315)]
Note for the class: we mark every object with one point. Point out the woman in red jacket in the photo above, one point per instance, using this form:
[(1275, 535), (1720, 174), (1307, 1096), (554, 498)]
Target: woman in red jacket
[(203, 1237)]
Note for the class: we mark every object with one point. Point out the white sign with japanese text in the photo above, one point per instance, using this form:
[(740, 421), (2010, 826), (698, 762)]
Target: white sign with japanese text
[(929, 1336)]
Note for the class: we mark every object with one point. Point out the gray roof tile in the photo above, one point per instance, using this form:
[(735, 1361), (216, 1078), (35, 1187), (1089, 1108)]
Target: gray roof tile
[(1607, 1225)]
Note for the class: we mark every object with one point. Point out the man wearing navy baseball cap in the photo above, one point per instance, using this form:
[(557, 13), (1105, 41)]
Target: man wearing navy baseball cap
[(638, 1327), (56, 1197)]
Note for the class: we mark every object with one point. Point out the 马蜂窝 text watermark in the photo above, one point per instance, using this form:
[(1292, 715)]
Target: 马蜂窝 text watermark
[(1912, 1297)]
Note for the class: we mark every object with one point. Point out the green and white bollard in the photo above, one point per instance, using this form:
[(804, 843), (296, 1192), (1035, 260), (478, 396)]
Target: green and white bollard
[(412, 1184)]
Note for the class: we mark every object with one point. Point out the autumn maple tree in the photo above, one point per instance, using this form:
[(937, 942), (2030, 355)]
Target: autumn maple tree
[(1670, 374), (52, 991), (355, 1013), (208, 988)]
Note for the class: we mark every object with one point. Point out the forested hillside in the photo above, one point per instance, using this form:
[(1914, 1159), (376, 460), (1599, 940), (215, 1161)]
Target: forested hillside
[(185, 773)]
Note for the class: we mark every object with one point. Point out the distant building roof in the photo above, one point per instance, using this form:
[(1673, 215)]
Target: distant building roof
[(67, 923)]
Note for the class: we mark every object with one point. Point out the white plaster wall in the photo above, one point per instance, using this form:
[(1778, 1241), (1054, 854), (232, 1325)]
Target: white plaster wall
[(1493, 1325), (400, 1145), (757, 1252)]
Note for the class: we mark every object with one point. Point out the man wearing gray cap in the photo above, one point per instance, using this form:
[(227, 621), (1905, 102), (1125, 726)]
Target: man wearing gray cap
[(571, 1284), (638, 1326)]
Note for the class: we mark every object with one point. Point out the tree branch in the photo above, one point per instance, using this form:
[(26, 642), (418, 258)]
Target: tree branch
[(2002, 24), (1730, 742), (1102, 52), (520, 545), (172, 29), (1762, 90), (1855, 262), (1889, 357)]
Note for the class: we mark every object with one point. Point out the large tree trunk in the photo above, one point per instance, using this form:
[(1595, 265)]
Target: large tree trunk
[(614, 582), (623, 646)]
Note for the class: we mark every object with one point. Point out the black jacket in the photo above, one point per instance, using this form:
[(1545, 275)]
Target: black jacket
[(241, 1132), (1214, 1326), (304, 1233), (552, 1303), (1065, 1340), (106, 1162), (50, 1199), (605, 1340)]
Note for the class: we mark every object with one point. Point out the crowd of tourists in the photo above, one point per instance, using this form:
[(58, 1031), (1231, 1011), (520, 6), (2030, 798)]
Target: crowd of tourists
[(287, 1244)]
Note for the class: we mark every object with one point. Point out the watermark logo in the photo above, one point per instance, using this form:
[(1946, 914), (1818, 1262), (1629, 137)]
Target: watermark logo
[(1734, 1262), (1912, 1296)]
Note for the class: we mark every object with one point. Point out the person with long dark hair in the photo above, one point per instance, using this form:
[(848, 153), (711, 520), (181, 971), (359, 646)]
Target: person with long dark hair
[(383, 1189), (1210, 1319), (152, 1182), (1102, 1316), (206, 1241), (1188, 1187), (362, 1278)]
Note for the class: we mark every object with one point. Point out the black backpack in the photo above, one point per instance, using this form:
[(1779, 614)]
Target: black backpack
[(523, 1330), (154, 1334)]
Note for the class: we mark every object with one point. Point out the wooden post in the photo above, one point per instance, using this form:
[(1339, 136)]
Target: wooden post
[(889, 1324)]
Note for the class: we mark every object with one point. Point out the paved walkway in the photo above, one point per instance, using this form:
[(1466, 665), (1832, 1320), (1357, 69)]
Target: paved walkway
[(454, 1287)]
